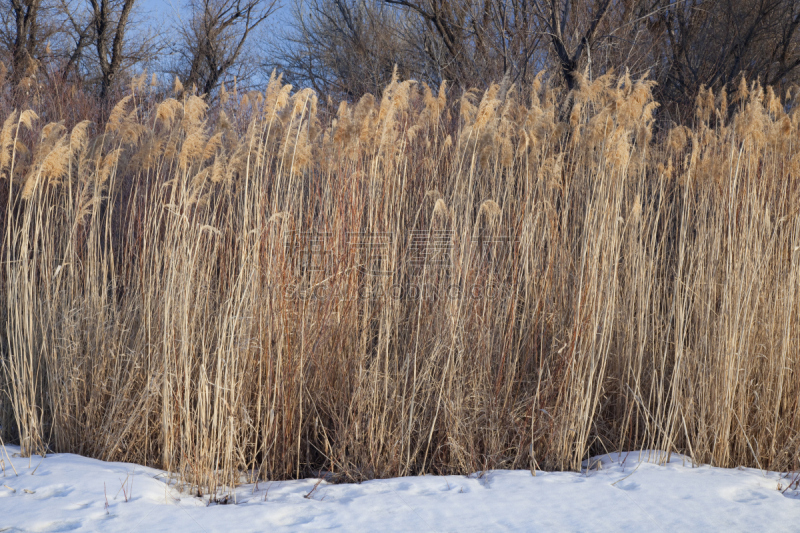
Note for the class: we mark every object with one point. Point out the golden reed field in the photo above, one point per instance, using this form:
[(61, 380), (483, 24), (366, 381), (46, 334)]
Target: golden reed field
[(515, 279)]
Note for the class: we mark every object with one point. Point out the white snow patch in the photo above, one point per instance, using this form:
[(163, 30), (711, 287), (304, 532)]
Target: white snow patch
[(616, 492)]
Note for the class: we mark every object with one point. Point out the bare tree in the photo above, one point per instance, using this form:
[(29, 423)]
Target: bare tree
[(214, 38), (351, 46), (24, 35), (345, 48), (79, 34), (110, 18), (450, 25), (713, 42), (475, 42), (572, 28), (109, 28)]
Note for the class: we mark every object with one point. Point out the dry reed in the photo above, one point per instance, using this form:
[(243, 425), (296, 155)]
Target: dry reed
[(255, 290)]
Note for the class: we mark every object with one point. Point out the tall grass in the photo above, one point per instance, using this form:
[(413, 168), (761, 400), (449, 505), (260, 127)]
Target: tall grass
[(513, 280)]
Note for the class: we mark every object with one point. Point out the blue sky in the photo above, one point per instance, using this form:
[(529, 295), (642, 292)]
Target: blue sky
[(161, 8), (169, 10)]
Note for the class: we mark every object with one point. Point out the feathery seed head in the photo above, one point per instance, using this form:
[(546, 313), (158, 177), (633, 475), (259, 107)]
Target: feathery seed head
[(166, 110), (27, 118), (107, 166), (6, 140), (118, 115), (79, 136)]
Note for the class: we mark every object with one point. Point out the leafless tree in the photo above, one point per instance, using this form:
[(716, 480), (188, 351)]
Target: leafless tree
[(345, 48), (351, 46), (475, 42), (573, 27), (26, 39), (24, 34), (110, 20), (713, 42), (214, 38), (78, 35)]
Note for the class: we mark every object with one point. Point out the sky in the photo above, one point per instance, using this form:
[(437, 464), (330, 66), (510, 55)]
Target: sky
[(169, 10), (165, 11)]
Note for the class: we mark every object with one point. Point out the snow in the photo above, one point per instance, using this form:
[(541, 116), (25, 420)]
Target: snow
[(65, 492)]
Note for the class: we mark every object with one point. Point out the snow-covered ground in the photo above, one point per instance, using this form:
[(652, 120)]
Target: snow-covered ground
[(67, 492)]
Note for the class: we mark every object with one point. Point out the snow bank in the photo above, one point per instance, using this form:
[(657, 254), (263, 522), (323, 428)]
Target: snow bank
[(617, 492)]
